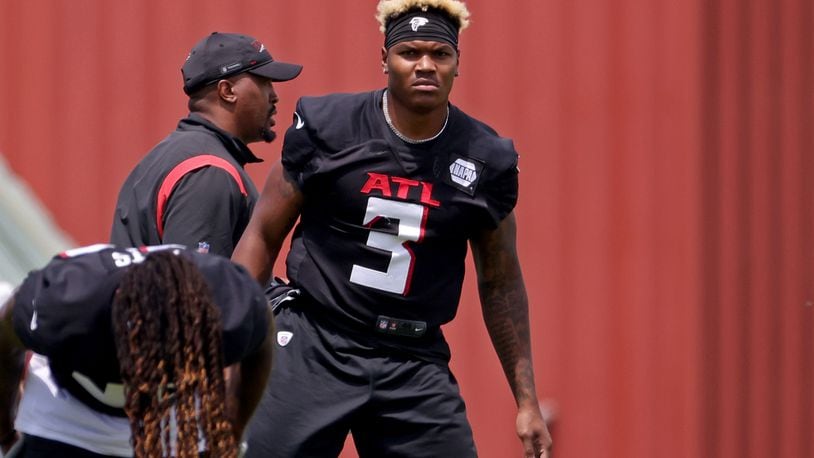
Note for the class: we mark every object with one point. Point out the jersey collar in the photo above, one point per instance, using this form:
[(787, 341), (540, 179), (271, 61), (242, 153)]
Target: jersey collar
[(234, 145)]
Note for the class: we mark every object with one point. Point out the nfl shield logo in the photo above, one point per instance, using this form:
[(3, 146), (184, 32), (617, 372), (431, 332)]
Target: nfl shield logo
[(284, 337)]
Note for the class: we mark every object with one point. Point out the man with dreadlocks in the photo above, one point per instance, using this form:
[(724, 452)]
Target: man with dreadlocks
[(139, 336), (390, 186)]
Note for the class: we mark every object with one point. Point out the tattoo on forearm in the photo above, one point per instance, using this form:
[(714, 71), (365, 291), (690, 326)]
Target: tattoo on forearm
[(505, 311), (506, 316)]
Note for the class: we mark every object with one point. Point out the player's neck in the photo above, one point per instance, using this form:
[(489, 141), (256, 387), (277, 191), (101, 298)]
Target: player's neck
[(412, 126)]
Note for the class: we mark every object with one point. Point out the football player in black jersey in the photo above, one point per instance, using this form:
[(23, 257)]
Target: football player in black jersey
[(390, 187), (142, 334)]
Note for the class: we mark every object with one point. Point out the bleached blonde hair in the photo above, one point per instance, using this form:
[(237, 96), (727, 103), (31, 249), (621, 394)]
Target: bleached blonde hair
[(389, 9)]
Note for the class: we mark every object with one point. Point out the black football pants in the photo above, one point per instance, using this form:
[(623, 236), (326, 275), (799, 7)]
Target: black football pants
[(325, 384)]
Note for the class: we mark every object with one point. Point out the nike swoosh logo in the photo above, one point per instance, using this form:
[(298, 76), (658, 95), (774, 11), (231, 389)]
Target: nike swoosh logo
[(300, 122), (33, 326)]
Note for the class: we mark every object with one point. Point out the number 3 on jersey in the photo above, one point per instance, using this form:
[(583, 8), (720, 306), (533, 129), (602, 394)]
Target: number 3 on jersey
[(411, 217)]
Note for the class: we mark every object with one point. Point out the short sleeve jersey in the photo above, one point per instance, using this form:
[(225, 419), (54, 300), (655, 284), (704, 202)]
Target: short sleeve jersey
[(63, 311), (385, 223)]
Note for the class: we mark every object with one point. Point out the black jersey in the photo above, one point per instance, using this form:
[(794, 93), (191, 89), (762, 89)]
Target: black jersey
[(385, 224), (63, 311)]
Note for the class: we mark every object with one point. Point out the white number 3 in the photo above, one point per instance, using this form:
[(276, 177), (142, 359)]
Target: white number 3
[(396, 279)]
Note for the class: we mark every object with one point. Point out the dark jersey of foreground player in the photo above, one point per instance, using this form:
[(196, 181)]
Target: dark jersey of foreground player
[(63, 311)]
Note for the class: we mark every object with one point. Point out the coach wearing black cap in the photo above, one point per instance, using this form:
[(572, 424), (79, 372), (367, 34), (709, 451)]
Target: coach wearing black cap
[(191, 189)]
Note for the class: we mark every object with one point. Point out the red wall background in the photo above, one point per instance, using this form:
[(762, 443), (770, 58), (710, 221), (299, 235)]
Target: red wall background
[(667, 205)]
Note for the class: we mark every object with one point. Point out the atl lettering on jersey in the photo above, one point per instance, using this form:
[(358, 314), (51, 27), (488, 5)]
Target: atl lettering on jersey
[(401, 188)]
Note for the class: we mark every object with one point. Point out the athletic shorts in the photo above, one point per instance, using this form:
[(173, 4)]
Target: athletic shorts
[(326, 383)]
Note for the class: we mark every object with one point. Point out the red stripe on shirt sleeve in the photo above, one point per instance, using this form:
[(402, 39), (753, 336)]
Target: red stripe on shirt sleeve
[(178, 172)]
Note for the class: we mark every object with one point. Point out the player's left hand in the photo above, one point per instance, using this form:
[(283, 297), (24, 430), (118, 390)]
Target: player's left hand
[(533, 432)]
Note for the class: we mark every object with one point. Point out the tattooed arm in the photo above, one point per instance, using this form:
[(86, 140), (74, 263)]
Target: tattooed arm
[(505, 312)]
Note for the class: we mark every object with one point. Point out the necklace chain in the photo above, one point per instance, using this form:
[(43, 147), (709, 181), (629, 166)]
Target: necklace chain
[(404, 137)]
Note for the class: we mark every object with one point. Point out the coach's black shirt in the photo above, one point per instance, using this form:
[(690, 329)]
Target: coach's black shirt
[(191, 189)]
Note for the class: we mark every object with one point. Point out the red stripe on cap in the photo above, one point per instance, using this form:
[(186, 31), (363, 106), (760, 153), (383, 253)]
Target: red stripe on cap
[(178, 172)]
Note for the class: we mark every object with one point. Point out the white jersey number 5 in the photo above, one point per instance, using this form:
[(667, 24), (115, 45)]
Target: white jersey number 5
[(396, 279)]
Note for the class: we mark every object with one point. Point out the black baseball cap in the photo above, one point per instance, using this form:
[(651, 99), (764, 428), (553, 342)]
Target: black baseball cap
[(221, 55)]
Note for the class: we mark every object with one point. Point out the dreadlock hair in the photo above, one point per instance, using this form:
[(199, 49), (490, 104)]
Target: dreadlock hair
[(168, 341)]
